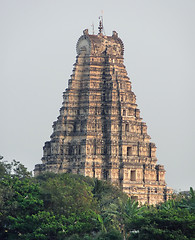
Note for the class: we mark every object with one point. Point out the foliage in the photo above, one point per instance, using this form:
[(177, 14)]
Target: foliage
[(47, 225), (19, 198), (188, 201), (167, 221), (66, 206), (110, 199), (111, 235), (15, 168), (66, 194)]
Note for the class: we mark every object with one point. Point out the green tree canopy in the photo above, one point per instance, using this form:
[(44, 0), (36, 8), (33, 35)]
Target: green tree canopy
[(66, 206)]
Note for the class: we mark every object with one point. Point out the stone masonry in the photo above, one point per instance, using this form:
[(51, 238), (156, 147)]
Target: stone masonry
[(99, 132)]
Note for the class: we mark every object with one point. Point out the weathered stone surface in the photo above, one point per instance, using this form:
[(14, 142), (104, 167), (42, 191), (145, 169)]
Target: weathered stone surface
[(99, 132)]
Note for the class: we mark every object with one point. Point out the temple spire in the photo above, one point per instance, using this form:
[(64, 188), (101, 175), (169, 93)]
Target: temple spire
[(99, 132)]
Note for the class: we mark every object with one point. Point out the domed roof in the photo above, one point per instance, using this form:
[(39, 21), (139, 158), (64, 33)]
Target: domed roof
[(98, 44)]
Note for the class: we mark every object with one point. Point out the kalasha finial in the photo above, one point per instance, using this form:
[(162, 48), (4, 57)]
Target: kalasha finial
[(100, 24)]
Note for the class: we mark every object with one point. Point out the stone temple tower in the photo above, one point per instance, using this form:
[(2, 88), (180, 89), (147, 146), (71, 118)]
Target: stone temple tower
[(99, 132)]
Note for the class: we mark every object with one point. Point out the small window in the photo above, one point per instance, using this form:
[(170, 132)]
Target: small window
[(133, 175), (157, 176), (126, 127), (105, 174), (61, 151), (70, 152), (124, 112), (129, 152), (79, 150)]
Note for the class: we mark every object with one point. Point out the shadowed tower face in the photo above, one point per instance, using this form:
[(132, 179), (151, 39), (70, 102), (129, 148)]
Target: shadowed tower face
[(99, 132)]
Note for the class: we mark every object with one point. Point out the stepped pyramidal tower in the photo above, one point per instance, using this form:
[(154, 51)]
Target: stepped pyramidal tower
[(99, 132)]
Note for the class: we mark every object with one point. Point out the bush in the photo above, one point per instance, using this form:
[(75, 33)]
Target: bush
[(112, 235)]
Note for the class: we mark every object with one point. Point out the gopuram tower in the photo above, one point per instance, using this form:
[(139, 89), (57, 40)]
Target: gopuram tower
[(99, 132)]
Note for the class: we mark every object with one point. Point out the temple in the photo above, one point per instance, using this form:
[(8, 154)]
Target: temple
[(99, 132)]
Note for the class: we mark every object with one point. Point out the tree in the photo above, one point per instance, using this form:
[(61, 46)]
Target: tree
[(66, 194), (55, 208), (66, 206), (19, 198), (15, 168), (162, 223), (5, 168), (188, 201), (109, 198)]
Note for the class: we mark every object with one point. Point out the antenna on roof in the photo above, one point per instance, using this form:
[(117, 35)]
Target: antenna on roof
[(92, 25), (103, 29)]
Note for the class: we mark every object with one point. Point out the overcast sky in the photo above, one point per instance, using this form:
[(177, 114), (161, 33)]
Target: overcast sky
[(37, 52)]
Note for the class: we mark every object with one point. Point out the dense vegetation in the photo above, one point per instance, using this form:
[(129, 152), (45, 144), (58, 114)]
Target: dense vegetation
[(66, 206)]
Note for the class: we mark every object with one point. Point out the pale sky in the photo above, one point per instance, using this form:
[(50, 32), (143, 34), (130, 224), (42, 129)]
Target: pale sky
[(37, 52)]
